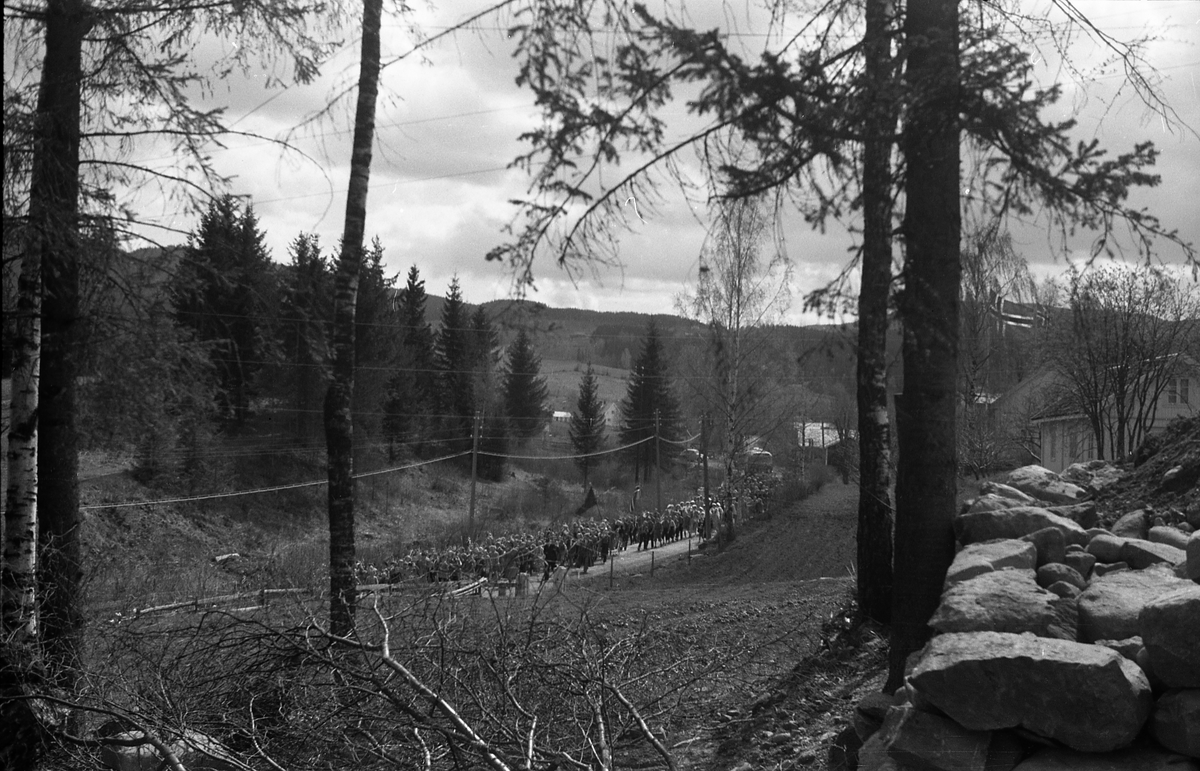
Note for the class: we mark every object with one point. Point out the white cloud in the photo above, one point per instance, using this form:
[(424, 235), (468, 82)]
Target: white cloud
[(449, 122)]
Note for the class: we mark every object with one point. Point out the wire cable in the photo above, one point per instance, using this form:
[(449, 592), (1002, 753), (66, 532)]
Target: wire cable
[(260, 490), (362, 475)]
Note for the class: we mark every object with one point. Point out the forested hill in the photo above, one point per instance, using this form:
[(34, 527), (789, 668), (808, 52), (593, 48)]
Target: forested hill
[(612, 338), (607, 339)]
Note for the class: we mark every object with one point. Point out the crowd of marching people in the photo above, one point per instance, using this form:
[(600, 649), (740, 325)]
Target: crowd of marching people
[(582, 544)]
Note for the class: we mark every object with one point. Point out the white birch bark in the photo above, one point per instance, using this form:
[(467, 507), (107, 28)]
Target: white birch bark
[(18, 574)]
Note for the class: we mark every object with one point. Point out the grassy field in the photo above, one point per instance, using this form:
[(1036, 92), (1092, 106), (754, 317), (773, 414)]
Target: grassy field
[(719, 637), (563, 377)]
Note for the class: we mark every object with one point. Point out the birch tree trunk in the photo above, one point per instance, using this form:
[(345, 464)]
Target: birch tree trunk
[(18, 582), (874, 432), (339, 432), (925, 477)]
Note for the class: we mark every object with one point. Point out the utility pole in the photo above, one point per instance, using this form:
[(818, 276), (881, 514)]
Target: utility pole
[(704, 460), (474, 470), (657, 467)]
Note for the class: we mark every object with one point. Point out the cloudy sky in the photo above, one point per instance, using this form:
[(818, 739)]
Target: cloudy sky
[(447, 130)]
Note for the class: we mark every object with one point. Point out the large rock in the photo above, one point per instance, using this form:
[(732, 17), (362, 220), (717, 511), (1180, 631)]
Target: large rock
[(1139, 554), (1084, 514), (1193, 556), (978, 558), (1057, 571), (1005, 601), (1176, 721), (973, 527), (1105, 547), (1045, 485), (1134, 524), (1086, 697), (1170, 626), (1094, 475), (1109, 608), (1007, 491), (1080, 560), (869, 714), (1064, 590), (910, 738), (1130, 647), (992, 502), (1051, 545), (1104, 568), (1181, 478), (1171, 536), (1132, 759)]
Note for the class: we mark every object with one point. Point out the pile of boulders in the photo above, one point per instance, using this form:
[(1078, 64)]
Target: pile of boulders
[(1059, 645)]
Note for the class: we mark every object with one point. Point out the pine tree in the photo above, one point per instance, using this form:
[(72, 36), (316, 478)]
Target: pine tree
[(412, 389), (587, 424), (456, 394), (525, 391), (484, 346), (376, 342), (484, 353), (650, 408), (221, 294), (304, 334)]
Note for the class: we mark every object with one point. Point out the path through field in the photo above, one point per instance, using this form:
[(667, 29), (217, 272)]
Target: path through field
[(812, 539), (774, 588)]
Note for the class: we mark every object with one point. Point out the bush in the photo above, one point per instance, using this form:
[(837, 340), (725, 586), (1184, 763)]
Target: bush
[(797, 487), (456, 680)]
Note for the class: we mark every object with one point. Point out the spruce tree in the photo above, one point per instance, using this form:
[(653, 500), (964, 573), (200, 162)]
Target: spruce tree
[(456, 394), (525, 391), (587, 424), (484, 347), (412, 390), (484, 355), (221, 293), (376, 342), (649, 400), (303, 334)]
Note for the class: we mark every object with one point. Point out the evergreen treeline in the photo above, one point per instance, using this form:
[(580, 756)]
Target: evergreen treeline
[(222, 359), (229, 344)]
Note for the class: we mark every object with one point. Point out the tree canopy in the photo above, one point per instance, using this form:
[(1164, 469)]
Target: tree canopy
[(525, 390), (221, 293), (587, 423), (650, 410)]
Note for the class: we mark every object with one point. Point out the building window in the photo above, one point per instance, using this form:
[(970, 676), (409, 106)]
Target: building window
[(1177, 390), (1073, 438), (1053, 440)]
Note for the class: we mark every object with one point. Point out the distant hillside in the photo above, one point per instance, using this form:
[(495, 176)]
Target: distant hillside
[(822, 356)]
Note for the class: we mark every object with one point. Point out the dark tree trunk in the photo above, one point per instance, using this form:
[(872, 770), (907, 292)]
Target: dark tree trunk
[(925, 478), (338, 400), (54, 223), (339, 442), (874, 431)]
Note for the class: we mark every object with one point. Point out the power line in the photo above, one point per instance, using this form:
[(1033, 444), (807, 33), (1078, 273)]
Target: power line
[(260, 490), (362, 475)]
